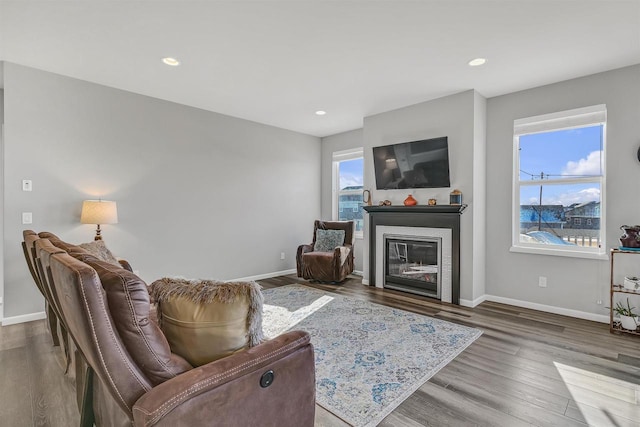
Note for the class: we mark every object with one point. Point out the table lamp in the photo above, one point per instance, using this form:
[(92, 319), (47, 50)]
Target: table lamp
[(99, 212)]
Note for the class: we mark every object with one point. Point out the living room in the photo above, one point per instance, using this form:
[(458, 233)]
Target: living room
[(206, 194)]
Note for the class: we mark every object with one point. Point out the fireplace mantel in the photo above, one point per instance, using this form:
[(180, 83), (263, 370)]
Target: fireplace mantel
[(439, 216), (454, 209)]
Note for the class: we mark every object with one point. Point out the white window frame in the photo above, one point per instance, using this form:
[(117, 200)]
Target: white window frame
[(341, 156), (563, 120)]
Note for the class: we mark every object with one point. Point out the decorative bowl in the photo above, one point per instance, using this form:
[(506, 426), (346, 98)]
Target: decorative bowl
[(631, 283)]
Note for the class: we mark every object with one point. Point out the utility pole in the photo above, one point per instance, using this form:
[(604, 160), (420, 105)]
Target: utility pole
[(540, 204)]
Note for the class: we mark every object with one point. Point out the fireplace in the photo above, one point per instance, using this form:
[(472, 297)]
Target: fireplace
[(413, 264), (426, 227)]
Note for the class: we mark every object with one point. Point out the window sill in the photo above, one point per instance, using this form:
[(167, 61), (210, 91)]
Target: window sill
[(559, 252)]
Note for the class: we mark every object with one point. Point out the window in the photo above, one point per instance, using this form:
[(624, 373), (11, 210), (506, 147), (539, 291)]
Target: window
[(348, 172), (559, 183)]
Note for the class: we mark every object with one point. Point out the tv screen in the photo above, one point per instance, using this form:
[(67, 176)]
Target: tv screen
[(416, 164)]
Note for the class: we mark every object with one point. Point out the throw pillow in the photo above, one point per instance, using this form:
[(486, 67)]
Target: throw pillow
[(130, 309), (206, 320), (328, 240), (98, 249)]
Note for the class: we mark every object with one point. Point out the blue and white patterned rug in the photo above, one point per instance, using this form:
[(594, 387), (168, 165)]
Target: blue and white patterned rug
[(369, 357)]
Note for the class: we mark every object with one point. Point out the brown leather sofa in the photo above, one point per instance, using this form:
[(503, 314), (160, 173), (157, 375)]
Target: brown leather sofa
[(132, 378), (332, 266)]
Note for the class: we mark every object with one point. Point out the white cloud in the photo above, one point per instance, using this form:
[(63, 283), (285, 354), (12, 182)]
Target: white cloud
[(566, 199), (588, 166), (349, 180)]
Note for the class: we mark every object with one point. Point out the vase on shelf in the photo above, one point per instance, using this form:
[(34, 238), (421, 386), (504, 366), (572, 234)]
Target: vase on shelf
[(410, 201), (630, 238), (629, 322)]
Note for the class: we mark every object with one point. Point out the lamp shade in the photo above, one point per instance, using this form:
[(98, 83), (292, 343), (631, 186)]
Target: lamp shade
[(99, 212)]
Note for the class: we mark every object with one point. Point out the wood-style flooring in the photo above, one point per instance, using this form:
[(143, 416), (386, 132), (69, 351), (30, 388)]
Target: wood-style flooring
[(528, 368)]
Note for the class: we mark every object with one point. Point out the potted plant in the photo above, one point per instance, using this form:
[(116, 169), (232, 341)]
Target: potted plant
[(628, 319)]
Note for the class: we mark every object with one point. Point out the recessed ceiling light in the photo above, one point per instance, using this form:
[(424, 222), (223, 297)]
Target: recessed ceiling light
[(477, 61), (321, 113), (171, 61)]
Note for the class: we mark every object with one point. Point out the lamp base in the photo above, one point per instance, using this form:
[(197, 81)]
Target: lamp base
[(98, 236)]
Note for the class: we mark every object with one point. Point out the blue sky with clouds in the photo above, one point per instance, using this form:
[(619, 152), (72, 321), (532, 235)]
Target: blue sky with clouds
[(560, 155), (351, 173)]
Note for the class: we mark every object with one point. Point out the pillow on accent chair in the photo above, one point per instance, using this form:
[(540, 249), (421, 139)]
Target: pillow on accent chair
[(328, 240), (98, 249), (206, 320)]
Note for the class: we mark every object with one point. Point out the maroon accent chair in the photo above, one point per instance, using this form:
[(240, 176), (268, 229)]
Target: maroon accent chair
[(332, 266)]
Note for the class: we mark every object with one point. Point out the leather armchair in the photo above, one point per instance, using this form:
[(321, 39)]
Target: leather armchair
[(327, 266), (28, 247), (133, 379)]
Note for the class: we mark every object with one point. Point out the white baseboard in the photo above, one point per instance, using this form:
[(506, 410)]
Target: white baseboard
[(602, 318), (358, 273), (267, 275), (475, 302), (23, 318), (365, 281)]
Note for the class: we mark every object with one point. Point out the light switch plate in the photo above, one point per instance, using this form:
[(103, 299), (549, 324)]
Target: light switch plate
[(27, 217), (27, 185)]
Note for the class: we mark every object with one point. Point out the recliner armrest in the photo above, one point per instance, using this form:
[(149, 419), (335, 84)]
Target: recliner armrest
[(342, 252), (228, 391), (304, 248)]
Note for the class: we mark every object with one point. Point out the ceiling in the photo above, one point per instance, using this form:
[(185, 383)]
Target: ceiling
[(277, 62)]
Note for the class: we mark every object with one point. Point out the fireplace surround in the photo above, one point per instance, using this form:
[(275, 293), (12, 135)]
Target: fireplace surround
[(440, 221)]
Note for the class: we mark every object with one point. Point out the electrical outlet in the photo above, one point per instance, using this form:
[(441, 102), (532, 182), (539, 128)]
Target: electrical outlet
[(281, 255), (599, 302), (542, 282)]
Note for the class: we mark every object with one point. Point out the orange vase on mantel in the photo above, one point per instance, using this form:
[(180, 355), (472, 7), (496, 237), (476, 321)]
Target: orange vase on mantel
[(410, 201)]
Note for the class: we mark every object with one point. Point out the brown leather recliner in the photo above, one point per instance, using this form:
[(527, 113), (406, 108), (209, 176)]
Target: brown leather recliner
[(29, 237), (133, 379), (332, 266)]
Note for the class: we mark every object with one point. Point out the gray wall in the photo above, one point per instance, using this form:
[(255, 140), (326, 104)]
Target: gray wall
[(200, 195), (479, 220), (330, 144), (1, 186), (572, 283), (453, 116)]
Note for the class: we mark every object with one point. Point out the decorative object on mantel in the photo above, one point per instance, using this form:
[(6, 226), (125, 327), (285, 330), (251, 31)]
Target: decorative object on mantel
[(455, 198), (410, 201), (631, 236), (432, 202), (366, 197), (385, 203)]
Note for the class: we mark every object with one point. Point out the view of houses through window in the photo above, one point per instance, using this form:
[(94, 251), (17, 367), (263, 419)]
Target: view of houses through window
[(559, 178), (348, 177)]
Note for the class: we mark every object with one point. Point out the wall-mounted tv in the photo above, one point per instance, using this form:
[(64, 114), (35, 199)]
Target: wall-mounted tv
[(415, 164)]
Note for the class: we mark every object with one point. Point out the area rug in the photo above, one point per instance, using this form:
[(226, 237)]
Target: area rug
[(369, 357)]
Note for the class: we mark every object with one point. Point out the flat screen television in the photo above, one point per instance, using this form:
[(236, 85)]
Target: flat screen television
[(415, 164)]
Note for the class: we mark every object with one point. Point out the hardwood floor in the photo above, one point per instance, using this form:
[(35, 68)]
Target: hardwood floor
[(528, 368)]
